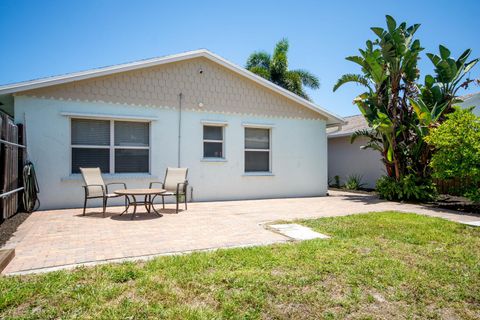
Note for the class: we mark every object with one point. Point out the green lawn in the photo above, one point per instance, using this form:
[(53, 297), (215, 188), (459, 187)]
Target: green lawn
[(376, 265)]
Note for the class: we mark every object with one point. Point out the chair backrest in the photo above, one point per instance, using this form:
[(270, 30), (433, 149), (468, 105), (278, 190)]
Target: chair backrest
[(173, 177), (93, 176)]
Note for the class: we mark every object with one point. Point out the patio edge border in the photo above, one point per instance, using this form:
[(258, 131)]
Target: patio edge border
[(137, 258)]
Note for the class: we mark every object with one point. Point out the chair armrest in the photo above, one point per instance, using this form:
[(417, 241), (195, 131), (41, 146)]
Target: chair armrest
[(155, 182), (93, 185), (182, 185), (119, 183)]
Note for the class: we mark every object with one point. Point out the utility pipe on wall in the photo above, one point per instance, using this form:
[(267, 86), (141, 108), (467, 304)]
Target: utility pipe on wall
[(180, 95)]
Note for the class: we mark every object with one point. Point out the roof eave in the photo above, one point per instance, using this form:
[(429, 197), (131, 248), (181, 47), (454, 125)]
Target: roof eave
[(104, 71)]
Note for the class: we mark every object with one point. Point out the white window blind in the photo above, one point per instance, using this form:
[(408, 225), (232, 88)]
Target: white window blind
[(90, 132), (131, 146), (132, 134)]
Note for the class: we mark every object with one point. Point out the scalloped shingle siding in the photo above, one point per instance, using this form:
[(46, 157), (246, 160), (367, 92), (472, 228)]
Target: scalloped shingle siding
[(219, 89)]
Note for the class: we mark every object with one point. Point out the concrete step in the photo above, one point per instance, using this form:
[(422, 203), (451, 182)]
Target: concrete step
[(6, 256), (297, 232)]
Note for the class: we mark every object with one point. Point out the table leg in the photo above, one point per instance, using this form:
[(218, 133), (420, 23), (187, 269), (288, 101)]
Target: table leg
[(134, 206), (153, 207), (147, 203), (127, 205)]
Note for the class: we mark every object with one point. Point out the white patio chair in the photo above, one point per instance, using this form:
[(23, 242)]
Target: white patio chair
[(95, 187), (175, 184)]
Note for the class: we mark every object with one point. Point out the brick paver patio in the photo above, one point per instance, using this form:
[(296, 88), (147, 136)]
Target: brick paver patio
[(64, 238)]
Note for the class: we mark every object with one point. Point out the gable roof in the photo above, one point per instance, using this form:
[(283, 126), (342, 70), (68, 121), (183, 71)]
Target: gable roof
[(470, 96), (332, 119), (470, 100), (352, 124)]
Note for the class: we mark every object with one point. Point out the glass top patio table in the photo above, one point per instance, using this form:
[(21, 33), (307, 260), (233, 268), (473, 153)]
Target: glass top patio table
[(149, 197)]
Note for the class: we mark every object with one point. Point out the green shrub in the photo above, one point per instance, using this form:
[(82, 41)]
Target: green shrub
[(354, 182), (456, 144), (409, 188), (335, 182)]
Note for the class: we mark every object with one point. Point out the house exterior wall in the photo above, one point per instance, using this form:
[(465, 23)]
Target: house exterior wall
[(346, 159), (299, 147)]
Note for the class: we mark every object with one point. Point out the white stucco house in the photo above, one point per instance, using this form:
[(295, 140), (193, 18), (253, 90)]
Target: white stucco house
[(241, 136), (346, 159)]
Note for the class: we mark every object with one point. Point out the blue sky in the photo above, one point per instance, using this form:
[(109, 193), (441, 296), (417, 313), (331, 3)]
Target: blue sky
[(45, 38)]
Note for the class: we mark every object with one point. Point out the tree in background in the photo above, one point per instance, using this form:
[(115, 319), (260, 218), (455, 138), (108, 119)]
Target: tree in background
[(399, 110), (275, 69), (457, 150)]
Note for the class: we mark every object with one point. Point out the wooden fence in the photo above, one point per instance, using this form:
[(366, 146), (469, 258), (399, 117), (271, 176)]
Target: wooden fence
[(452, 187), (11, 163)]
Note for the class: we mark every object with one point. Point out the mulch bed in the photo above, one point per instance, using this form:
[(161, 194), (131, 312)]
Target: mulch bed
[(9, 226), (360, 191), (456, 203), (444, 201)]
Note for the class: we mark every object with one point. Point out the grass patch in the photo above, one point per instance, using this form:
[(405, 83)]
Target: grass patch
[(376, 265)]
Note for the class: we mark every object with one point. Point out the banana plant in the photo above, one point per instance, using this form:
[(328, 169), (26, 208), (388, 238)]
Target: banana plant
[(389, 67), (439, 93), (398, 110), (442, 88)]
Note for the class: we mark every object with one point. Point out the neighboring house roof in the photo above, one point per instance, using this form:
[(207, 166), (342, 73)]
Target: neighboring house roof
[(471, 100), (358, 122), (332, 119), (352, 124)]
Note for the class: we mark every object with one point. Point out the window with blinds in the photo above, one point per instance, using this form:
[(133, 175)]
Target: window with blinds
[(114, 146), (213, 142), (257, 150)]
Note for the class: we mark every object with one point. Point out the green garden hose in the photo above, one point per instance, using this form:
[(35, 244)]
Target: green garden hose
[(30, 193)]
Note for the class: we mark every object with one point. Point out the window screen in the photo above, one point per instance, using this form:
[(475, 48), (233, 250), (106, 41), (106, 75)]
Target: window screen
[(213, 142), (257, 150), (90, 158), (131, 160)]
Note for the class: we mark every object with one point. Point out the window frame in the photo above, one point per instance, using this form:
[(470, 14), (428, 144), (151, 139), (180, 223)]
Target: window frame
[(112, 147), (209, 124), (269, 150)]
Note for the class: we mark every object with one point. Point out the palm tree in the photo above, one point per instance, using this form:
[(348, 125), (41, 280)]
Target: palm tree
[(275, 69)]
